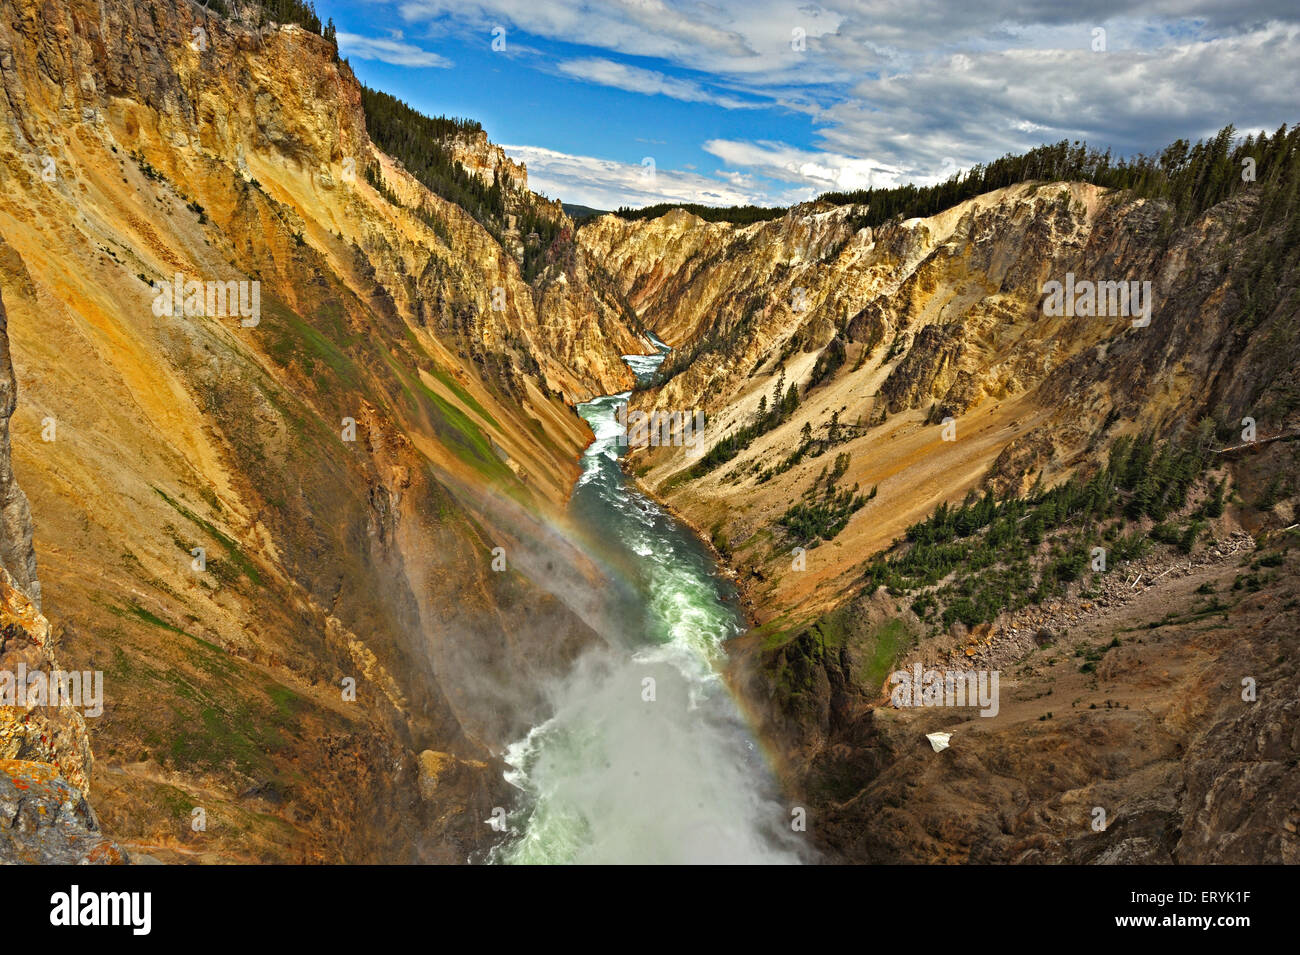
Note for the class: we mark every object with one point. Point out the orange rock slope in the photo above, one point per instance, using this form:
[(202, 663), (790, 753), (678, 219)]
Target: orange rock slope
[(237, 513)]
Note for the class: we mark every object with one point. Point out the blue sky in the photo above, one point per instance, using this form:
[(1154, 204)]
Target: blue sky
[(773, 102)]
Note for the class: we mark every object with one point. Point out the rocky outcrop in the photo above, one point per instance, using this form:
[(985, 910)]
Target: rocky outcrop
[(488, 161), (928, 369), (45, 757), (44, 821), (17, 556), (30, 730)]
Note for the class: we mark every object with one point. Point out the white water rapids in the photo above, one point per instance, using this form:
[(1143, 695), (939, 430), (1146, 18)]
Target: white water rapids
[(614, 777)]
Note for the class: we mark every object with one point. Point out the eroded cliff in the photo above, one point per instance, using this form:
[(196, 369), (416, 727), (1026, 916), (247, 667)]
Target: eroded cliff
[(860, 382), (273, 529)]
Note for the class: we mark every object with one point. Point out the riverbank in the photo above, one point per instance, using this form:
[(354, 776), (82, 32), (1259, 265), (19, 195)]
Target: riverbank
[(743, 587)]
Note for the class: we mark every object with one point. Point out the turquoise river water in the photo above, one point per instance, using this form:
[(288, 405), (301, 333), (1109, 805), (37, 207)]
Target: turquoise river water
[(646, 758)]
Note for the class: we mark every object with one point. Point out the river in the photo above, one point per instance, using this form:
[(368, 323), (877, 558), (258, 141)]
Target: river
[(646, 758)]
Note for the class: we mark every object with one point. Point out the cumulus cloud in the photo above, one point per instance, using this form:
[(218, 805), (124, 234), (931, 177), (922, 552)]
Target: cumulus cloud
[(389, 50), (634, 79), (976, 106), (608, 184), (824, 171), (910, 90)]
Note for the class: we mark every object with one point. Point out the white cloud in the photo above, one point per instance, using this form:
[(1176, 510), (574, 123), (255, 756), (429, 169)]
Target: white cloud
[(909, 90), (389, 50), (1010, 100), (608, 184), (824, 171), (754, 40), (636, 27), (634, 79)]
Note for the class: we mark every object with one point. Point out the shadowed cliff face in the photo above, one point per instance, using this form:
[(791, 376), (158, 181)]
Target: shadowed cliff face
[(1178, 741), (238, 512)]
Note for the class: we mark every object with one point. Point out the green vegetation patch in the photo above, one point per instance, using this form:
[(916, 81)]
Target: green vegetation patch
[(455, 429), (246, 566), (885, 643), (289, 338), (981, 558)]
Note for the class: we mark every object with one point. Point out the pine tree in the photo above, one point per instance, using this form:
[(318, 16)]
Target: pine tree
[(791, 402), (1214, 507)]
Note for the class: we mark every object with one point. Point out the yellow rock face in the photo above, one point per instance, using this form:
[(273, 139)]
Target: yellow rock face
[(939, 318), (237, 513)]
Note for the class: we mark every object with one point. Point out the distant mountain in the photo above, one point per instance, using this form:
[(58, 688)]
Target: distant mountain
[(574, 211)]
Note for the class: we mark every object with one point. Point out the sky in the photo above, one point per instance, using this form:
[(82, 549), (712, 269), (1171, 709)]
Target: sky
[(729, 102)]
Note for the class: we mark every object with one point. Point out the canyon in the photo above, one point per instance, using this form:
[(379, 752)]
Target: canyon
[(982, 389), (283, 542), (325, 559)]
